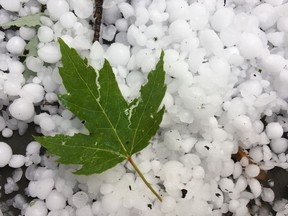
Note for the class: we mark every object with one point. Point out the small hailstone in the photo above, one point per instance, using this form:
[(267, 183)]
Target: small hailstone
[(126, 9), (83, 8), (211, 41), (227, 168), (267, 195), (110, 203), (5, 154), (49, 53), (242, 123), (47, 124), (80, 199), (36, 207), (226, 185), (142, 16), (45, 34), (16, 67), (55, 200), (250, 46), (27, 33), (222, 18), (7, 132), (17, 161), (16, 45), (256, 154), (33, 148), (282, 24), (250, 88), (273, 64), (56, 8), (68, 20), (172, 140), (21, 109), (255, 187), (34, 91), (279, 145), (12, 87), (266, 14), (177, 9), (198, 16), (252, 170), (274, 130), (168, 204), (118, 54), (277, 38), (179, 30), (11, 5), (108, 32), (122, 25), (34, 64)]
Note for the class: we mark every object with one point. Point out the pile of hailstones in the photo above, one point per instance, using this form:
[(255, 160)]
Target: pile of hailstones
[(227, 85)]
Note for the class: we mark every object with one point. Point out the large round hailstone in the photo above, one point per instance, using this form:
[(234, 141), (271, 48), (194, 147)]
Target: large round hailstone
[(12, 88), (55, 200), (250, 46), (222, 18), (250, 88), (83, 8), (21, 109), (11, 5), (266, 14), (279, 145), (198, 16), (280, 84), (38, 208), (177, 9), (210, 41), (179, 30), (118, 54), (34, 90), (68, 20), (274, 130), (49, 53), (273, 63), (56, 8), (16, 45), (45, 34), (5, 154), (27, 33)]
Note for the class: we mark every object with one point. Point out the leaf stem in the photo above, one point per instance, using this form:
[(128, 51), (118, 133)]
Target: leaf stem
[(144, 179)]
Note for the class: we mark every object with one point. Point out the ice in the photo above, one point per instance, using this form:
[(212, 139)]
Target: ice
[(17, 161), (110, 204), (179, 30), (267, 195), (27, 33), (36, 208), (80, 199), (41, 188), (49, 53), (211, 41), (126, 9), (252, 170), (250, 46), (274, 130), (55, 200), (11, 5), (7, 132), (177, 9), (109, 32), (118, 54), (56, 8), (266, 15), (16, 45), (226, 185), (142, 16), (279, 145), (21, 109), (33, 91), (282, 23), (255, 187), (198, 16), (83, 8), (168, 204), (222, 18), (5, 154)]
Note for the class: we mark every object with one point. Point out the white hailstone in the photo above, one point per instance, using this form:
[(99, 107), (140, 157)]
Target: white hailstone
[(36, 208), (237, 170), (227, 168), (188, 143), (172, 140), (241, 183), (274, 130), (126, 10), (177, 9), (56, 8), (5, 154), (279, 145), (252, 170), (179, 30), (195, 59), (280, 84), (33, 148), (7, 133), (106, 188), (16, 67), (34, 64), (219, 134), (118, 54), (110, 203), (267, 195), (198, 16), (198, 172), (255, 187), (250, 88), (68, 20), (222, 18), (47, 124), (226, 185), (11, 5), (27, 33), (80, 199), (21, 109), (49, 53), (17, 161), (16, 45), (83, 8), (266, 14), (273, 64), (142, 16), (12, 88), (111, 14), (41, 188), (34, 91), (230, 37), (168, 204), (210, 41), (108, 32), (121, 25), (97, 51), (282, 23), (189, 44), (242, 123), (256, 154), (84, 211), (277, 38), (55, 200), (250, 46), (45, 34)]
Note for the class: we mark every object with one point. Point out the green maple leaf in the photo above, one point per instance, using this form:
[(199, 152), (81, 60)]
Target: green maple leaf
[(29, 21), (117, 129)]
